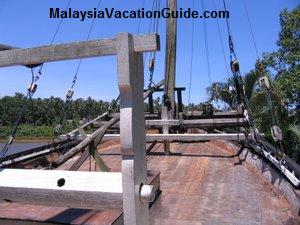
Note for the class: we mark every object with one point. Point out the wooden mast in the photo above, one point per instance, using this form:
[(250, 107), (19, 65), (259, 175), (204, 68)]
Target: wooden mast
[(168, 108), (170, 57)]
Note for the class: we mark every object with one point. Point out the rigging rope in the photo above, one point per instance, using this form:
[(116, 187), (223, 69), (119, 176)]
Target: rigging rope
[(264, 83), (70, 92), (140, 19), (192, 57), (55, 33), (221, 41), (152, 56)]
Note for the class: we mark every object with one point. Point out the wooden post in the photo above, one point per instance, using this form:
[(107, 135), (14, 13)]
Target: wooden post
[(150, 102), (170, 57), (179, 99), (132, 131), (168, 108)]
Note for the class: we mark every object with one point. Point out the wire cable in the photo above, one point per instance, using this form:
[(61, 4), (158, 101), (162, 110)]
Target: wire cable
[(251, 30), (192, 57), (221, 41), (56, 32)]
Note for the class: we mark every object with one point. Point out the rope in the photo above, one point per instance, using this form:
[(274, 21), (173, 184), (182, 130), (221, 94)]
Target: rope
[(221, 41), (206, 47), (140, 19), (56, 32), (154, 29), (251, 29), (192, 57)]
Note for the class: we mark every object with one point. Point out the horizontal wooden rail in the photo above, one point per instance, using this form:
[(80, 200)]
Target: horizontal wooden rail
[(75, 50), (91, 190), (175, 137), (196, 123)]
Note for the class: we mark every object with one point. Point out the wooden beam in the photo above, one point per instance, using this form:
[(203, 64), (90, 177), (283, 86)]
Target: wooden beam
[(175, 89), (75, 50), (132, 130), (81, 159), (149, 149), (180, 137), (197, 123), (200, 123), (95, 138), (90, 190), (170, 57)]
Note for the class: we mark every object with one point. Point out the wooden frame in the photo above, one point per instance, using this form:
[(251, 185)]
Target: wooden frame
[(128, 49)]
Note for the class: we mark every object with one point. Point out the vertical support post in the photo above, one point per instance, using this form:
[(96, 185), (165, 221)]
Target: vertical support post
[(170, 57), (150, 102), (179, 99), (132, 131)]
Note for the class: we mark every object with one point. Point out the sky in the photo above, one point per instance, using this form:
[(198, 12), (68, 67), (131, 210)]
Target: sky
[(27, 24)]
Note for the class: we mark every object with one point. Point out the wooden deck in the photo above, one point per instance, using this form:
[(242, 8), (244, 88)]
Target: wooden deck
[(202, 184)]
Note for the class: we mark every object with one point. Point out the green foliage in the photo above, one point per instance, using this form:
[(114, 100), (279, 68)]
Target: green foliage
[(41, 115)]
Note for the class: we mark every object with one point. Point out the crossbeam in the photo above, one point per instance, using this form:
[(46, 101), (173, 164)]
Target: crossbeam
[(84, 190), (75, 50), (175, 137), (90, 190)]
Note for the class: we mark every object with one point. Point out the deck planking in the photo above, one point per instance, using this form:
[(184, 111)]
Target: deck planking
[(202, 184)]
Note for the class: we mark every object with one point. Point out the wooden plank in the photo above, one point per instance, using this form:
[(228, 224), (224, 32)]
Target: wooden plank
[(200, 123), (181, 137), (77, 164), (75, 50), (197, 123), (89, 190), (175, 89), (151, 147)]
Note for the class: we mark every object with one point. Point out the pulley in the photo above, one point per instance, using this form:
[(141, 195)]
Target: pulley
[(231, 89), (254, 134), (264, 83), (235, 67), (247, 116), (276, 133), (240, 108), (32, 87), (70, 93)]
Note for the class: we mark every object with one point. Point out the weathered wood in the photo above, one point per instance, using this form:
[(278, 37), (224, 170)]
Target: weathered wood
[(201, 123), (78, 163), (179, 99), (170, 57), (180, 137), (100, 163), (76, 50), (153, 89), (91, 190), (197, 123), (150, 104), (88, 123), (98, 134), (132, 130), (149, 149), (175, 89)]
